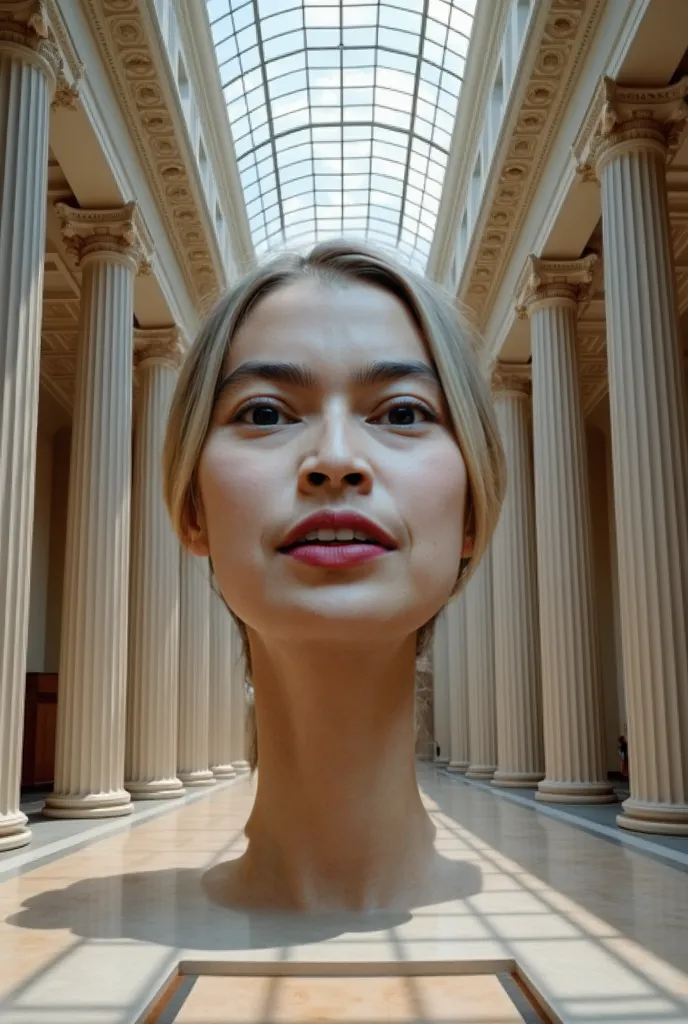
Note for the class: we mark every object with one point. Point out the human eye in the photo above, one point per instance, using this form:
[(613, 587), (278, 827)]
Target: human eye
[(261, 413), (406, 412)]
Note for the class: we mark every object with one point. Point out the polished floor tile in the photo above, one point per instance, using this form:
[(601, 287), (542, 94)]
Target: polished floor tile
[(91, 935)]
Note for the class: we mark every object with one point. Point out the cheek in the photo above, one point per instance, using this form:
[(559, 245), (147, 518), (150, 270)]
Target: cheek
[(437, 508), (232, 493)]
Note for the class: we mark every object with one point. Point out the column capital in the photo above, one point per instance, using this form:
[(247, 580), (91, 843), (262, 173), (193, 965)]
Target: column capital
[(511, 380), (158, 346), (554, 283), (119, 234), (24, 31), (630, 118)]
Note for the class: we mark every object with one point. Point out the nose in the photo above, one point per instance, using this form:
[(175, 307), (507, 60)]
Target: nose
[(336, 461)]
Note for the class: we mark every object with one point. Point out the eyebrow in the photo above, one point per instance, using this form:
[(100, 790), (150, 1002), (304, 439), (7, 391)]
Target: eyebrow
[(379, 372)]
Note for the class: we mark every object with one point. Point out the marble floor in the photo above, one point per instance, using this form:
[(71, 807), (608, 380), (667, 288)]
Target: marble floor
[(94, 924)]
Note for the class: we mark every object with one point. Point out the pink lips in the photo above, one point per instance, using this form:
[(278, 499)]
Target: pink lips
[(333, 554)]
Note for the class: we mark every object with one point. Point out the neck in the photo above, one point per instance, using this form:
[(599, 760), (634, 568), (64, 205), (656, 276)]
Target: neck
[(338, 822)]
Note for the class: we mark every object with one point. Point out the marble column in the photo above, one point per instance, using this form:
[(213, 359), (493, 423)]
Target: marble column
[(550, 291), (239, 705), (150, 761), (110, 247), (220, 702), (482, 731), (458, 684), (630, 147), (193, 758), (520, 754), (440, 689), (28, 69)]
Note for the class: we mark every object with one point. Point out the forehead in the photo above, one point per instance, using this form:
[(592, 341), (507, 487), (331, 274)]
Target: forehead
[(327, 325)]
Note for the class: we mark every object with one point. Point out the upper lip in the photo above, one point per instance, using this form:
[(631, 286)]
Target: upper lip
[(339, 519)]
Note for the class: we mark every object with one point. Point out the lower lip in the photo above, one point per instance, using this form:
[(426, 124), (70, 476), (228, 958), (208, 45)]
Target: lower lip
[(336, 555)]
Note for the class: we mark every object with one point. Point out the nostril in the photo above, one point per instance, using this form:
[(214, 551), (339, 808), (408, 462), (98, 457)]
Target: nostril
[(317, 478)]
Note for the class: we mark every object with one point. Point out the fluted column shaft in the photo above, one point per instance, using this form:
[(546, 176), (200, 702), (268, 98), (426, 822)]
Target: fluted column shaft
[(220, 701), (151, 735), (194, 673), (571, 674), (440, 689), (89, 754), (520, 753), (239, 705), (650, 462), (28, 66), (482, 736), (458, 684)]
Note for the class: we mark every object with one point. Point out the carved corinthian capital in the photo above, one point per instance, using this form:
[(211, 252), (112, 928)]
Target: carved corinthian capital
[(120, 233), (157, 345), (632, 117), (511, 379), (554, 282), (24, 29)]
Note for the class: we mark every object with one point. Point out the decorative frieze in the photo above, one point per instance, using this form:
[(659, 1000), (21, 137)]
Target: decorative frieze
[(555, 61), (129, 41)]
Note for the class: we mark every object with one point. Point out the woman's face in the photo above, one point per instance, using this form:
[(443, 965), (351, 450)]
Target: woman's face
[(330, 405)]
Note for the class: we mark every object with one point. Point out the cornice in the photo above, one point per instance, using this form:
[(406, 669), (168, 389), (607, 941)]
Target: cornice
[(136, 58), (484, 51), (550, 65), (632, 117)]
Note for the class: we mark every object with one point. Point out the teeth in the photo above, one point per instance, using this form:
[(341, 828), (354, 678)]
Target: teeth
[(335, 535)]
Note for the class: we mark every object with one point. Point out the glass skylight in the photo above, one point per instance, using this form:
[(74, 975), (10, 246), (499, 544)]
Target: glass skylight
[(342, 114)]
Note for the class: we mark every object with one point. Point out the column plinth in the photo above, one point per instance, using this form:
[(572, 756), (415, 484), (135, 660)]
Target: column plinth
[(194, 673), (570, 659), (110, 247), (629, 149), (150, 760), (458, 685), (28, 69), (520, 751), (482, 734), (220, 735)]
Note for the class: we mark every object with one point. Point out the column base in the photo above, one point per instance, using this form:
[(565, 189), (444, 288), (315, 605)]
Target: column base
[(458, 766), (482, 772), (223, 771), (241, 766), (159, 789), (202, 777), (655, 818), (93, 805), (13, 831), (575, 792), (517, 780)]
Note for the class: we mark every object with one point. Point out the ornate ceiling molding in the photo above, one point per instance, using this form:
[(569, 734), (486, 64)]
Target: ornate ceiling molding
[(140, 71), (555, 60)]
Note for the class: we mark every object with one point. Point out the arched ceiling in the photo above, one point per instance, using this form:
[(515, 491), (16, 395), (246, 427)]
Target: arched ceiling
[(342, 114)]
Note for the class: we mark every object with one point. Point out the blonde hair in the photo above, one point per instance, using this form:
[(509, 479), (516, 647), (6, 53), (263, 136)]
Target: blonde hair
[(453, 348)]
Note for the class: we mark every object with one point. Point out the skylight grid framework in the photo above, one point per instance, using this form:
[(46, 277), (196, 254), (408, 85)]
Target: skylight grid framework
[(342, 113)]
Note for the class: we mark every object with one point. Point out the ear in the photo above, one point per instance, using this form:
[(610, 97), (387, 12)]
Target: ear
[(195, 534), (467, 549)]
